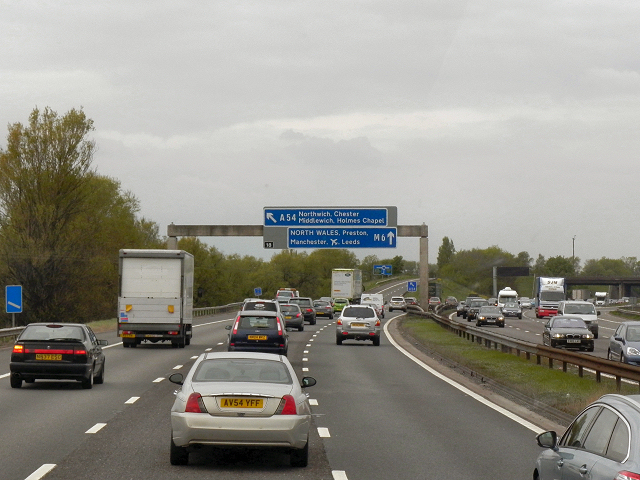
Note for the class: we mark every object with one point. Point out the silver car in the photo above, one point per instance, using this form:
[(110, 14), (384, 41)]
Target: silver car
[(358, 322), (235, 399), (397, 303), (602, 443)]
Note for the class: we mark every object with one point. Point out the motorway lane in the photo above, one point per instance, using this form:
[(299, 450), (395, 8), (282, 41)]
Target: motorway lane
[(47, 420), (386, 418), (529, 329)]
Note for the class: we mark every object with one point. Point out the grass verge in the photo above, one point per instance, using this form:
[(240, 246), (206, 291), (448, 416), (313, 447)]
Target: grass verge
[(566, 392)]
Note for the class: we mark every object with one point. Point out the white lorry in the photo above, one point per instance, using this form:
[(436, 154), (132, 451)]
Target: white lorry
[(507, 295), (601, 299), (550, 291), (155, 300), (346, 283)]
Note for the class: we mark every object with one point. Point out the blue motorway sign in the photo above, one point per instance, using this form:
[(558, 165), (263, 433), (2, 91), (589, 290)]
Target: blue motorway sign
[(257, 291), (412, 286), (383, 269), (14, 298), (342, 237), (327, 216)]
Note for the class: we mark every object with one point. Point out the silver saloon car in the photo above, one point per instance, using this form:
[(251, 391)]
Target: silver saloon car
[(602, 443), (358, 322), (241, 399)]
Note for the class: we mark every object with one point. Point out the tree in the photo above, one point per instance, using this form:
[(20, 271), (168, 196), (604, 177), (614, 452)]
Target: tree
[(61, 224), (560, 267), (445, 252)]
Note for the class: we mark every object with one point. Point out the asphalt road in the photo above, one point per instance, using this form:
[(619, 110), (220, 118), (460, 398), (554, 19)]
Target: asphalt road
[(377, 414)]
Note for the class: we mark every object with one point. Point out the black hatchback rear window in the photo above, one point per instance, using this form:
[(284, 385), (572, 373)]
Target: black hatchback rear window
[(258, 322), (359, 312), (53, 332)]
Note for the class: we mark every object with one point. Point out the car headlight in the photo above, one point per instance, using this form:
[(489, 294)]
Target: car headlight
[(501, 318), (558, 335), (480, 318), (588, 336), (632, 351)]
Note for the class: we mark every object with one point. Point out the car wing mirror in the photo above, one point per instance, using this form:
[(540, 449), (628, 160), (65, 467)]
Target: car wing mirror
[(308, 382), (176, 378), (103, 343), (548, 440)]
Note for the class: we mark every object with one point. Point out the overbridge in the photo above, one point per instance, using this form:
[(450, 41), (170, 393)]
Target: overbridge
[(621, 286)]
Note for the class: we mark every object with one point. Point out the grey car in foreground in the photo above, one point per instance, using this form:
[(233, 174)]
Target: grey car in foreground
[(358, 322), (489, 315), (602, 443), (624, 344), (567, 332), (235, 399)]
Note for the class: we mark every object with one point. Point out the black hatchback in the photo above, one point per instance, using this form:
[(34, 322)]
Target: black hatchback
[(57, 351), (258, 331)]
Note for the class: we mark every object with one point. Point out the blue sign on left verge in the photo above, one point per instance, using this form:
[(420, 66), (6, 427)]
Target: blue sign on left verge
[(412, 286), (257, 291), (14, 298)]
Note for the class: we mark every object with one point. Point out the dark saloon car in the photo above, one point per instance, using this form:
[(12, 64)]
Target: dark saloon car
[(258, 331), (323, 309), (567, 332), (624, 344), (57, 351), (473, 308), (292, 316), (602, 443), (511, 309), (306, 305), (489, 315)]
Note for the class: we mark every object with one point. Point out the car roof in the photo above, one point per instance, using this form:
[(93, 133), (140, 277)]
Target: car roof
[(256, 355), (258, 313)]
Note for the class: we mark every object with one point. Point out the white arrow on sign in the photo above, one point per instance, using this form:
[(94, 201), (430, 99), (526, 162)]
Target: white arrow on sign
[(391, 236), (13, 305), (271, 217)]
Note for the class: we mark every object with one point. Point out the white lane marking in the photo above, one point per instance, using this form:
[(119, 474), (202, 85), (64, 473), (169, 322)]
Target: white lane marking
[(41, 472), (112, 345), (323, 432), (96, 428), (158, 380), (5, 375), (305, 369), (313, 401), (305, 359), (213, 323), (339, 475), (209, 349), (306, 351), (132, 400), (308, 345), (219, 343), (463, 389), (178, 367), (194, 357)]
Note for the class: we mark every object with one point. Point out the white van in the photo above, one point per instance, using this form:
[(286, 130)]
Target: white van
[(584, 310), (375, 298)]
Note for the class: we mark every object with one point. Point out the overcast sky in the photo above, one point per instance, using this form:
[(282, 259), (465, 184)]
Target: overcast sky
[(508, 123)]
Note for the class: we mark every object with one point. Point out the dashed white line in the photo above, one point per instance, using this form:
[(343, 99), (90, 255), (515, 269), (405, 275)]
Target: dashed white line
[(313, 401), (178, 367), (305, 359), (41, 472), (323, 432), (96, 428), (158, 380), (132, 400), (305, 369), (339, 475)]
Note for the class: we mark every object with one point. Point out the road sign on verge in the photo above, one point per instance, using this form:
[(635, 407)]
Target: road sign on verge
[(412, 286), (14, 298), (342, 237), (383, 269), (257, 291)]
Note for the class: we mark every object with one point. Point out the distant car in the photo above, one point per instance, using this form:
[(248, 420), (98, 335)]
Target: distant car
[(525, 302), (397, 303), (358, 322), (339, 303), (411, 301), (460, 308), (292, 316), (451, 301), (474, 307), (434, 302), (306, 305), (246, 400), (57, 351), (602, 443), (327, 299), (258, 331), (511, 309), (323, 309), (490, 315), (467, 304), (624, 344), (585, 310), (492, 302), (567, 332)]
